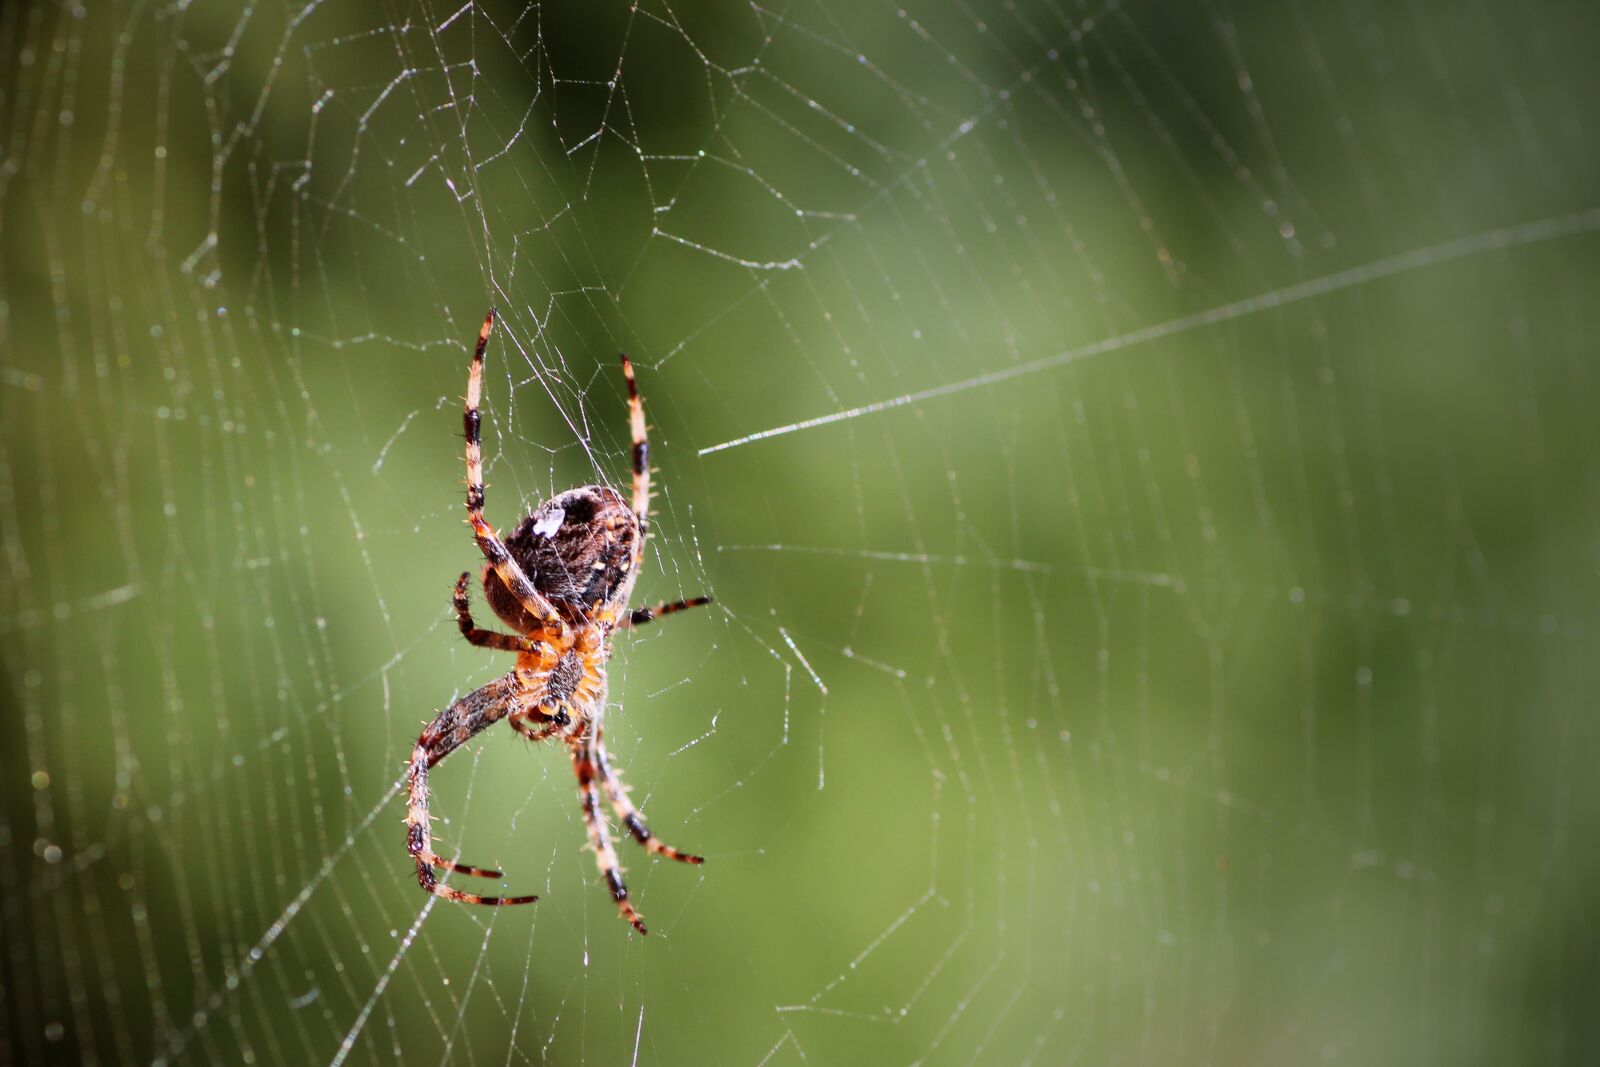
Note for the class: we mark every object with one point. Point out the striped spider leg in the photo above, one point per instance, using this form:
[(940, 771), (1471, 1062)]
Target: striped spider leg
[(561, 580)]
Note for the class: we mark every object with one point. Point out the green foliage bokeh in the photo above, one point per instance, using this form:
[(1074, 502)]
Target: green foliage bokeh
[(1223, 697)]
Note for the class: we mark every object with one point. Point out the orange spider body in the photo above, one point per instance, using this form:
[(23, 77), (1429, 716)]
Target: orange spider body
[(561, 580)]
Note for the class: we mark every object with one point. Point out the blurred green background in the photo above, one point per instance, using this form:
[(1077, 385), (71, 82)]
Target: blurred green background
[(1223, 694)]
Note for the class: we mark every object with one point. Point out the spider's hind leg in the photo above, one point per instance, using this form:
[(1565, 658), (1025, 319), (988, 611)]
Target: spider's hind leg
[(641, 444), (489, 543)]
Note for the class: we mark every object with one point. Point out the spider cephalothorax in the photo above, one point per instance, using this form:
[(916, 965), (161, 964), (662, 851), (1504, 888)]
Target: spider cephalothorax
[(562, 581)]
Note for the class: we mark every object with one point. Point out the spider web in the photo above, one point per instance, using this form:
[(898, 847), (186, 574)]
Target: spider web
[(1142, 454)]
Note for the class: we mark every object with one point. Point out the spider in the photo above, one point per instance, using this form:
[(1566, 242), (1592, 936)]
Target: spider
[(561, 581)]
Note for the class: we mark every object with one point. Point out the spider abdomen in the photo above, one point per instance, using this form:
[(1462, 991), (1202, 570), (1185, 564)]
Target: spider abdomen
[(580, 549)]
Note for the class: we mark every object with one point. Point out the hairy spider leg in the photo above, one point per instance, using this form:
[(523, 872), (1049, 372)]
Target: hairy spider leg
[(523, 723), (452, 727), (586, 763), (641, 495), (484, 638), (641, 446), (617, 793), (508, 697), (640, 616), (494, 550)]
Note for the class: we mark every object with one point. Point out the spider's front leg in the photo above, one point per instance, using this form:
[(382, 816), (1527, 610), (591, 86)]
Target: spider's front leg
[(623, 805), (586, 762), (453, 727), (523, 722)]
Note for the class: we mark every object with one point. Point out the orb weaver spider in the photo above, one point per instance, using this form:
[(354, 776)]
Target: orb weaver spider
[(561, 580)]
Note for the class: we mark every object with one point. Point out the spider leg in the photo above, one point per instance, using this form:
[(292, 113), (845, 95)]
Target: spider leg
[(641, 445), (617, 793), (454, 725), (484, 638), (522, 723), (640, 616), (584, 762), (493, 549)]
